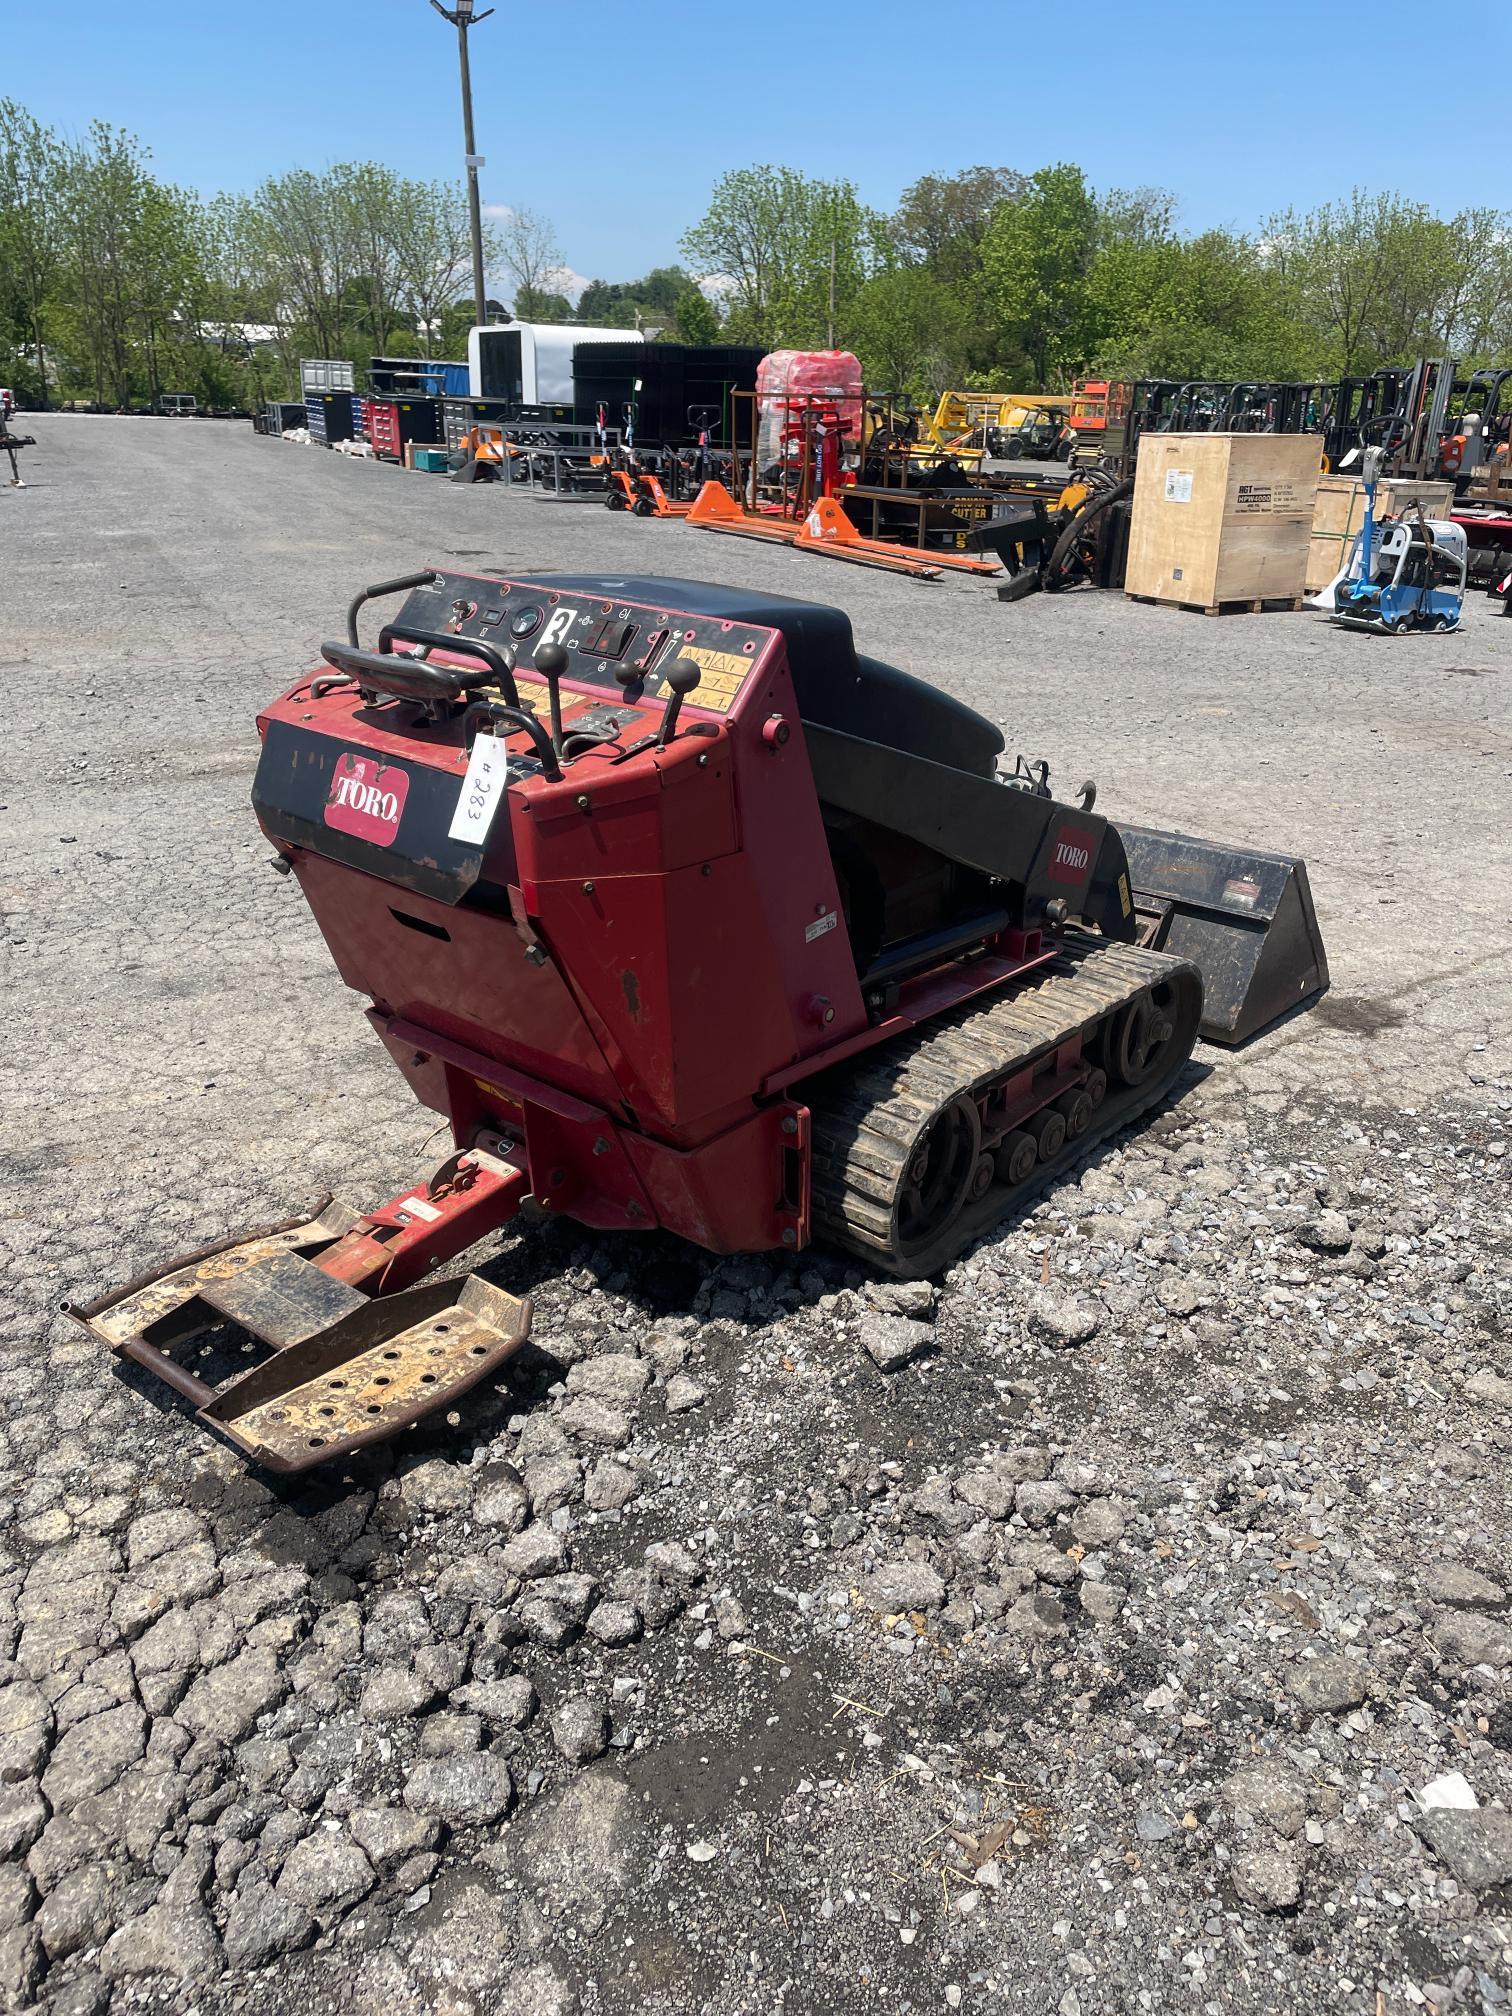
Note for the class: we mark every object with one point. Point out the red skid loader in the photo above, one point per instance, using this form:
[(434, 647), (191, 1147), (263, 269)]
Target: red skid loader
[(685, 914)]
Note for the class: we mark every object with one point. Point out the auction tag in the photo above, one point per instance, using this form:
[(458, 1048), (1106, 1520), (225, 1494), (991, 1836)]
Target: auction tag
[(482, 791)]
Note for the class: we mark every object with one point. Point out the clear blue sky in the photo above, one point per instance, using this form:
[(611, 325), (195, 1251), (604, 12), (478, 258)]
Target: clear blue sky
[(613, 117)]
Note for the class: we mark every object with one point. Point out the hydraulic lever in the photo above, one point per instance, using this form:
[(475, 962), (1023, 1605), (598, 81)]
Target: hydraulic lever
[(682, 675), (551, 663)]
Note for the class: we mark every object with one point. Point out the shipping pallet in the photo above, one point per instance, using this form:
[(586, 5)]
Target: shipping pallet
[(1271, 605)]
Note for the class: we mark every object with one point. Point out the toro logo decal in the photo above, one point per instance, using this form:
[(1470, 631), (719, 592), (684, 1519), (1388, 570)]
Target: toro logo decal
[(366, 798), (1071, 857)]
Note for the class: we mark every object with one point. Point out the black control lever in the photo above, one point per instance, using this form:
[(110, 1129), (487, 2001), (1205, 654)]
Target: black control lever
[(500, 664), (682, 675), (551, 663), (395, 587), (490, 715), (633, 680)]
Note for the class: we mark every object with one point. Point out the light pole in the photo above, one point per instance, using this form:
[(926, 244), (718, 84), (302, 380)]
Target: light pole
[(462, 18)]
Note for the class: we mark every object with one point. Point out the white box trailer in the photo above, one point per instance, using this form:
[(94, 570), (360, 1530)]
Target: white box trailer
[(530, 363)]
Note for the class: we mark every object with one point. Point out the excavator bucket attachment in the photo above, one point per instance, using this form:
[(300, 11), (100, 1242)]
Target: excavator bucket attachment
[(1244, 918)]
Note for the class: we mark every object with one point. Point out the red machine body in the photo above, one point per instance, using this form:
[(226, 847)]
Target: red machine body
[(631, 873), (621, 979)]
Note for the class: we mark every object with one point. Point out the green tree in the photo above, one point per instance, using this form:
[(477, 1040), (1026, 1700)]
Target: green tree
[(695, 319), (532, 304), (33, 165), (794, 252), (1380, 279), (911, 333), (531, 256), (1036, 254), (941, 220)]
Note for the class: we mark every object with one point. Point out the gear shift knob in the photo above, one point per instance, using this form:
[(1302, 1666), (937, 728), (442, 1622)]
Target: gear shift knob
[(551, 663), (682, 675)]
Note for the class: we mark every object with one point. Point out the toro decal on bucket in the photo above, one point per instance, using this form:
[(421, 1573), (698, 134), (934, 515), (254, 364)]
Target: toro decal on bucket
[(367, 799), (1072, 857)]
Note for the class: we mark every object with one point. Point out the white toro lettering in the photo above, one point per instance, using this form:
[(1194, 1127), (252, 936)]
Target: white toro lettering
[(365, 797)]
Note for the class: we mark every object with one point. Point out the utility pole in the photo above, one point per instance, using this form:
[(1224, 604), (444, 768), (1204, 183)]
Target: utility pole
[(462, 18)]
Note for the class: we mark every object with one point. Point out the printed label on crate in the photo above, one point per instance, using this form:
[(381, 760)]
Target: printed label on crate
[(1178, 486), (366, 798), (1256, 500)]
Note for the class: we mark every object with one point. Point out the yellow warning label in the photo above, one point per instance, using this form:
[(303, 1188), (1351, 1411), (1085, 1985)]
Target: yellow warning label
[(538, 696), (1123, 894), (717, 703), (723, 672)]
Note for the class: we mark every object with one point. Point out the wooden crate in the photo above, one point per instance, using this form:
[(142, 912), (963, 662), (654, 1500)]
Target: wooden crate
[(1221, 519), (1340, 511)]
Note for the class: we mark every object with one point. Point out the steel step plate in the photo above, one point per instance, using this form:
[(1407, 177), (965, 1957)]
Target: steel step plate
[(373, 1372), (197, 1293)]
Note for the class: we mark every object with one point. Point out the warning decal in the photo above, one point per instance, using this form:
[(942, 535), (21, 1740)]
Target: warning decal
[(723, 672)]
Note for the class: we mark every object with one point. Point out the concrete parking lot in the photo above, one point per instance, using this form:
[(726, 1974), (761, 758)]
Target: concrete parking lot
[(1094, 1661)]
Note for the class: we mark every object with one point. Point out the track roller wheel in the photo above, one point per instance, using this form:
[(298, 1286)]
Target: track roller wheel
[(1075, 1108), (941, 1170), (1017, 1157), (1096, 1087), (1049, 1131), (982, 1178), (1141, 1034)]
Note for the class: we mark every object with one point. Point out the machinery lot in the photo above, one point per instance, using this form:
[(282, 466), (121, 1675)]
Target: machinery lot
[(922, 1689)]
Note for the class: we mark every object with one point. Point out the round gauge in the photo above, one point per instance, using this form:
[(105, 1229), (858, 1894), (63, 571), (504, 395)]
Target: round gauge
[(525, 620)]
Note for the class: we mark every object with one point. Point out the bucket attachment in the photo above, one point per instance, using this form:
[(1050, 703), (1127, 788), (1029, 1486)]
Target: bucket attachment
[(1245, 919), (347, 1362)]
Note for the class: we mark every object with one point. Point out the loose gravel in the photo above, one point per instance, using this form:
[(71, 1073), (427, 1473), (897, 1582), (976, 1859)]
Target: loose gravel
[(1119, 1623)]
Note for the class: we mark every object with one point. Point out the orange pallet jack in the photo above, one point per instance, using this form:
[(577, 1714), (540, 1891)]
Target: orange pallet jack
[(828, 529), (637, 489), (715, 510)]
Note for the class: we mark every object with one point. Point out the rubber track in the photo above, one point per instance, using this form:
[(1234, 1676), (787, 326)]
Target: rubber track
[(868, 1117)]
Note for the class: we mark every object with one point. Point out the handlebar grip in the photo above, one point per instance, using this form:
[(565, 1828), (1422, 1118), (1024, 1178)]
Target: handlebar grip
[(421, 580), (487, 713), (489, 655), (400, 678), (365, 595)]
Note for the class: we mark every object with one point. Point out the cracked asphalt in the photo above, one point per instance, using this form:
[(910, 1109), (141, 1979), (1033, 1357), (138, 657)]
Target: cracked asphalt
[(1118, 1623)]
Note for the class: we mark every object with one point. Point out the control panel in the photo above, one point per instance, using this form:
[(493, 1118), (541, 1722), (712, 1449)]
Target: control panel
[(607, 643)]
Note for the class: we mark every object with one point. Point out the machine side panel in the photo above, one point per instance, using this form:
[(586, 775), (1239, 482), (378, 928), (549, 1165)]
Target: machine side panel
[(670, 966), (1047, 849), (461, 973), (357, 801)]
